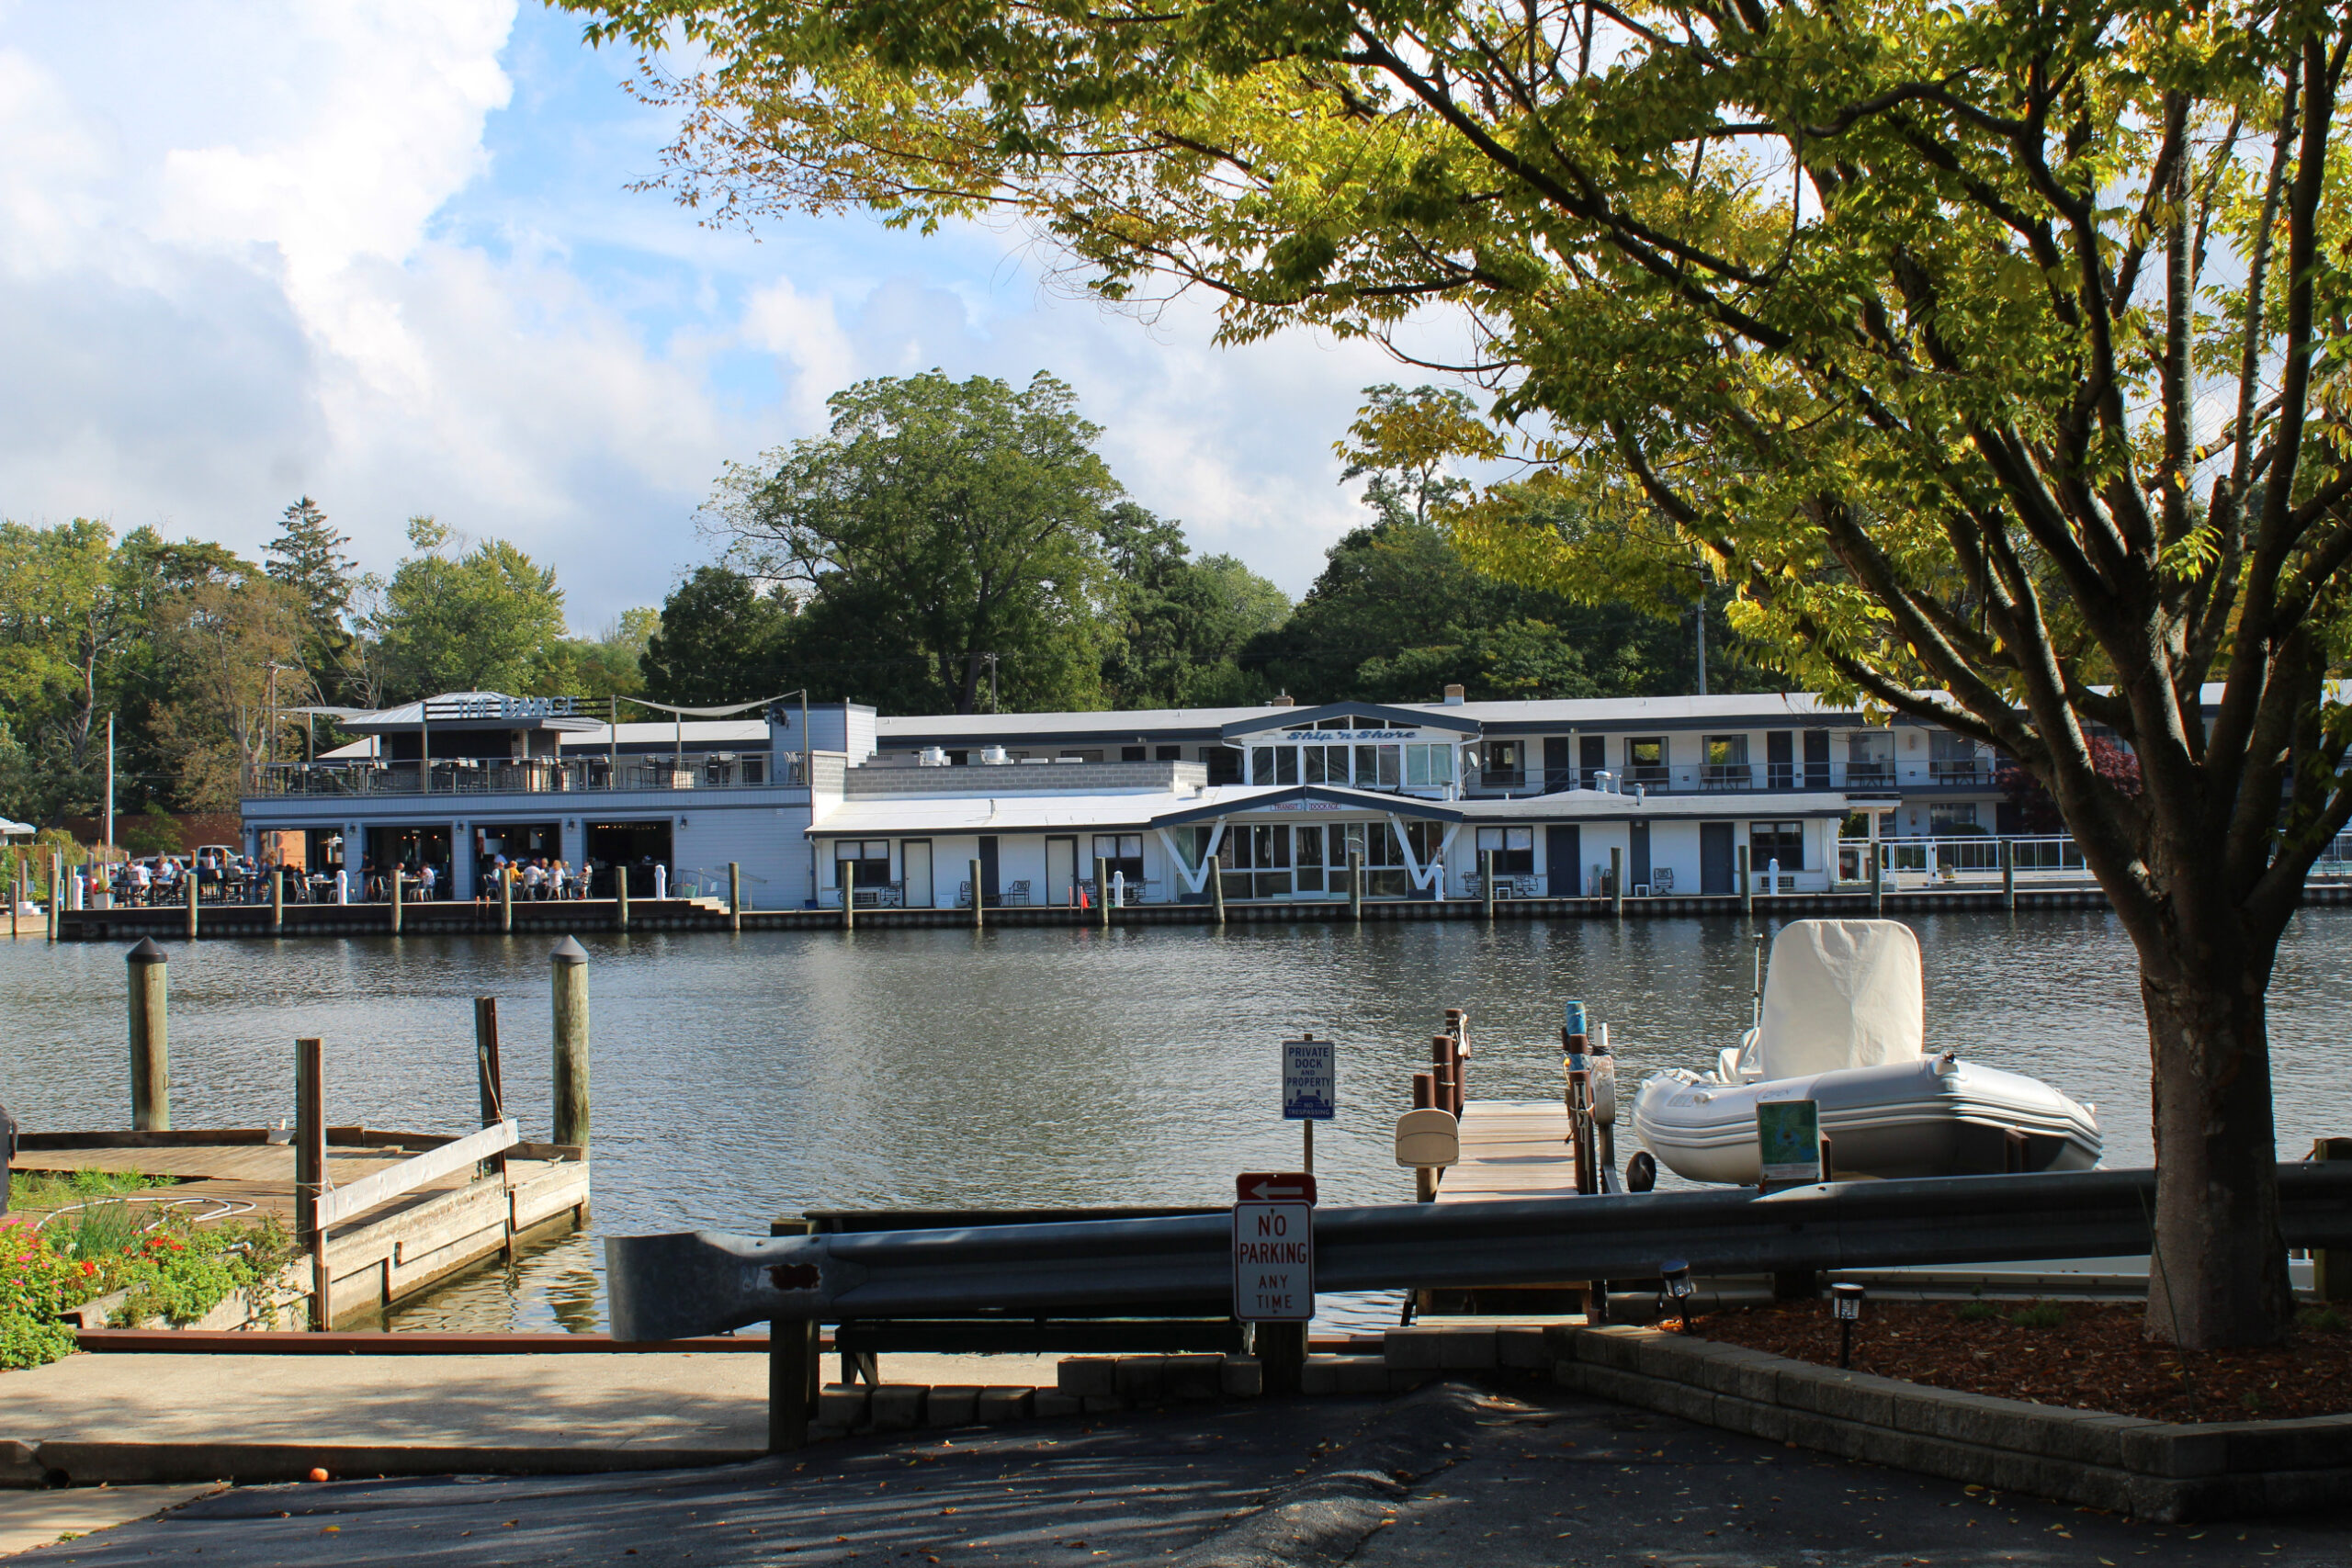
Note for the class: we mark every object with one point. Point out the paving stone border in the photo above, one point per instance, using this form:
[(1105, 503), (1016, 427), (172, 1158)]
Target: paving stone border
[(2168, 1472)]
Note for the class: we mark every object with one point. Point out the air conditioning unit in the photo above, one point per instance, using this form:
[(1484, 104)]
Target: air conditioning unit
[(931, 757), (993, 756)]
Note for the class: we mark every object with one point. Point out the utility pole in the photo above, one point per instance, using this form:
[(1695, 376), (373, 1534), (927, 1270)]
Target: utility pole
[(991, 659), (1702, 618), (109, 834)]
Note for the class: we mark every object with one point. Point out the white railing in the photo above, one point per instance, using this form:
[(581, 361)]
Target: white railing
[(1962, 860)]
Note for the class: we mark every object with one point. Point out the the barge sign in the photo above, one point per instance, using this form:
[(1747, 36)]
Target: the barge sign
[(1274, 1248), (1310, 1079)]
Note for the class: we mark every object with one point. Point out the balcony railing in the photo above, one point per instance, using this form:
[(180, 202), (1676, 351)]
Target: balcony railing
[(1715, 778), (535, 775)]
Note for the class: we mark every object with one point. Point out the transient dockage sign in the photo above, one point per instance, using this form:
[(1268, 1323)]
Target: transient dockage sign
[(1273, 1248), (1788, 1139), (1310, 1079)]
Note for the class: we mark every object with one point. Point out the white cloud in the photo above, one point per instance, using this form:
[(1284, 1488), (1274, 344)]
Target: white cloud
[(250, 251)]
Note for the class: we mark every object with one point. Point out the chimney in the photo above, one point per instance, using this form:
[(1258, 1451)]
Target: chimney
[(1454, 695), (1283, 701)]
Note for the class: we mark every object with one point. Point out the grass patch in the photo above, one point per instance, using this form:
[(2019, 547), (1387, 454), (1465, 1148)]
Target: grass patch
[(1976, 1311), (2324, 1318), (45, 1189), (2040, 1314)]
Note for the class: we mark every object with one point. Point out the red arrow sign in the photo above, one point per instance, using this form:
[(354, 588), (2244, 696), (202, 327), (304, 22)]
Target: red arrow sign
[(1275, 1187)]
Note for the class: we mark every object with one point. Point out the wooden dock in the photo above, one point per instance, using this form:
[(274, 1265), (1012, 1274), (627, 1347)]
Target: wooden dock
[(1511, 1148), (376, 1258)]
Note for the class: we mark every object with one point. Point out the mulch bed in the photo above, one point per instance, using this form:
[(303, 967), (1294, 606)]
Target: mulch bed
[(2086, 1355)]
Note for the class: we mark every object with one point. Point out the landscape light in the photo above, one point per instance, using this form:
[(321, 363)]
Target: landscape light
[(1846, 1301), (1674, 1276)]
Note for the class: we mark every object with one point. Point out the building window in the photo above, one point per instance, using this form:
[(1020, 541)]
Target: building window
[(1953, 760), (1274, 765), (1645, 759), (1769, 842), (1506, 765), (1376, 767), (1726, 761), (1123, 854), (1133, 754), (1171, 754), (1514, 849), (869, 857), (1224, 764), (1870, 758), (1953, 816), (1429, 766), (1325, 765)]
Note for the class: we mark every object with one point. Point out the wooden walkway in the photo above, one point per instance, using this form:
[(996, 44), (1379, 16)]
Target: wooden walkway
[(1511, 1148), (256, 1178)]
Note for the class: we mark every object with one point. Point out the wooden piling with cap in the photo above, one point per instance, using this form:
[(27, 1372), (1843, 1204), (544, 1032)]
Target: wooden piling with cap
[(1878, 879), (846, 874), (1486, 883), (190, 880), (151, 1054), (980, 915), (395, 879), (1616, 880), (620, 899), (734, 896), (505, 900), (1217, 890), (1746, 881), (1355, 885), (2009, 875), (1102, 890), (309, 1175), (570, 964)]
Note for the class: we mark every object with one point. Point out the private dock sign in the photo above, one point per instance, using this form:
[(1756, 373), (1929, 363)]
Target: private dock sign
[(1310, 1079), (1273, 1248)]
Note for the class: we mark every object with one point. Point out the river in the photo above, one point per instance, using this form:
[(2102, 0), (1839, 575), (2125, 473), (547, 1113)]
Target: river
[(736, 1079)]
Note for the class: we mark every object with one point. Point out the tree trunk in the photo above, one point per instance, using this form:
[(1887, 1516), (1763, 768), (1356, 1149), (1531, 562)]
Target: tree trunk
[(2219, 1273)]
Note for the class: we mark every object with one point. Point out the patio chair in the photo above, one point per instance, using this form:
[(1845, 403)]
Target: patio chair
[(1018, 892)]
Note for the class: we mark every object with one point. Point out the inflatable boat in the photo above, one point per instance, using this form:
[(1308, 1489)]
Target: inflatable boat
[(1843, 1024)]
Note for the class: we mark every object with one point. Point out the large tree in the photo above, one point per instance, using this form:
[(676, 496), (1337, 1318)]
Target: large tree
[(1179, 622), (939, 522), (455, 618), (1984, 347), (307, 558), (720, 640)]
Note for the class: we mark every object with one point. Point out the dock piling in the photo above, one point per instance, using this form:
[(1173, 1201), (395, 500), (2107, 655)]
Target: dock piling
[(395, 879), (189, 878), (978, 915), (1878, 880), (1355, 885), (151, 1054), (793, 1357), (490, 1080), (56, 893), (1617, 880), (734, 896), (1217, 890), (1747, 883), (276, 901), (570, 962), (620, 897), (505, 901), (310, 1174), (1102, 890), (847, 877), (1487, 885), (2008, 877)]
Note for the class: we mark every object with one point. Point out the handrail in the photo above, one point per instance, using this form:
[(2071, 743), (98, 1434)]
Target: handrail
[(678, 1286), (341, 1202)]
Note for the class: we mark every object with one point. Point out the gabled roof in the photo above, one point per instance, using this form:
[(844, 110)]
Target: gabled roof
[(1246, 798), (1389, 719)]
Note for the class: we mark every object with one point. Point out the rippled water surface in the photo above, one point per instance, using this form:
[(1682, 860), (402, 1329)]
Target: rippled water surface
[(736, 1079)]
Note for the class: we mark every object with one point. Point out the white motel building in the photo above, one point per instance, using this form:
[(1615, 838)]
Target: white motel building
[(1681, 791)]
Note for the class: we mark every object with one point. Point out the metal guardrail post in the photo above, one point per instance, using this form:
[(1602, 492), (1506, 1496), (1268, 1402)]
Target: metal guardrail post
[(793, 1358)]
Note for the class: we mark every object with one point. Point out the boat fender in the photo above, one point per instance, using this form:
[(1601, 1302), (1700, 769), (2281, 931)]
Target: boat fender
[(1604, 1091)]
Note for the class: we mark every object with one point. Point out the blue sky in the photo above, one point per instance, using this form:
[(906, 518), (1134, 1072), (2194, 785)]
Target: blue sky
[(385, 255)]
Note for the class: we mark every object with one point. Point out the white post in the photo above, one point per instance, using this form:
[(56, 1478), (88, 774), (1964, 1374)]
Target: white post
[(661, 881), (1772, 874)]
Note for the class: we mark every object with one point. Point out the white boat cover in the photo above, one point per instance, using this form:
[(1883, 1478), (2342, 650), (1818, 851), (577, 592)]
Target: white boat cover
[(1841, 994)]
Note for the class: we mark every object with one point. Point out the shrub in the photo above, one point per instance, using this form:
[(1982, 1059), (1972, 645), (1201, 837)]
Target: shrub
[(1975, 1312), (2040, 1314), (37, 1282), (2320, 1317)]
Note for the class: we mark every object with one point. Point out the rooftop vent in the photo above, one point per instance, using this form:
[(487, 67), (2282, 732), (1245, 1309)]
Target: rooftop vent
[(1453, 695), (931, 757), (993, 756), (1284, 700)]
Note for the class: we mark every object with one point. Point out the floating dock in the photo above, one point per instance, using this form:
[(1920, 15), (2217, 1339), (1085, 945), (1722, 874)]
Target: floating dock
[(381, 1255)]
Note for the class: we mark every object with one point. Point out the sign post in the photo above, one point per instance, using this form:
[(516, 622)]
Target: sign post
[(1273, 1270), (1310, 1086)]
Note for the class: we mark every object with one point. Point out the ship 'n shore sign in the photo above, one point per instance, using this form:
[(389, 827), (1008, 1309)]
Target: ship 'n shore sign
[(1274, 1248), (1310, 1079)]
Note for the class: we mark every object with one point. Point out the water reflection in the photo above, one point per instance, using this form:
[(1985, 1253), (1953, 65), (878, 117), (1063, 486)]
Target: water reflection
[(738, 1078)]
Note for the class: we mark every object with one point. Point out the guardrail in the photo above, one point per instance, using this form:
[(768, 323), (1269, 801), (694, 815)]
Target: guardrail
[(456, 776), (684, 1285)]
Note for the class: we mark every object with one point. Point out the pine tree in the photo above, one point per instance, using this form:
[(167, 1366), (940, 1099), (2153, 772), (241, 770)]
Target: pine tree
[(306, 557)]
